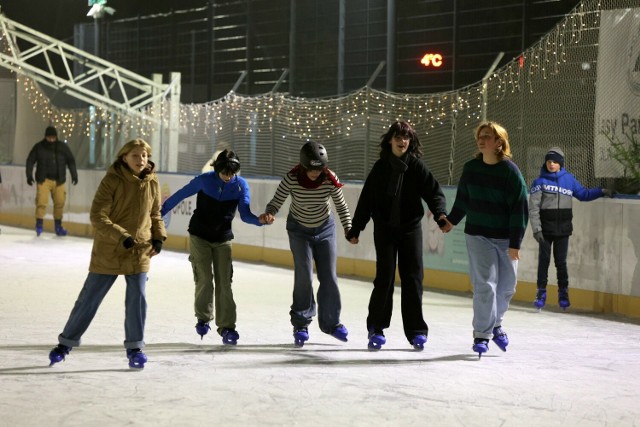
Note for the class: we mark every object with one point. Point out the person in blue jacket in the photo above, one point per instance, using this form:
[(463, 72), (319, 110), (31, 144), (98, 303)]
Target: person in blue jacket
[(550, 214), (219, 194)]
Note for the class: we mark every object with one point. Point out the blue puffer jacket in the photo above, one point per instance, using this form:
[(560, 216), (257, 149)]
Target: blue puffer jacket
[(550, 201)]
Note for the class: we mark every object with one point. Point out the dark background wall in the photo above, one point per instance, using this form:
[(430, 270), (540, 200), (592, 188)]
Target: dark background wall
[(328, 47)]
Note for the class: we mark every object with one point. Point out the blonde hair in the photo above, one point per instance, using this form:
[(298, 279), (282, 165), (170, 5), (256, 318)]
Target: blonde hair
[(134, 143), (504, 150)]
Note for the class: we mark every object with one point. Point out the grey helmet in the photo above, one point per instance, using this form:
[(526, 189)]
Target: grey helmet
[(313, 156)]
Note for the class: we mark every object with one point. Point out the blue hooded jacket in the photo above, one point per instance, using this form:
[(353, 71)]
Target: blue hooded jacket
[(550, 201)]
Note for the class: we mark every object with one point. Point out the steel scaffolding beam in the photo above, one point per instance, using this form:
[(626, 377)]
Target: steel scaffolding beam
[(101, 83)]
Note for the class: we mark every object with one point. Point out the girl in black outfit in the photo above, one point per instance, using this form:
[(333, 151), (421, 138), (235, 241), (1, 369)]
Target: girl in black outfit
[(392, 195)]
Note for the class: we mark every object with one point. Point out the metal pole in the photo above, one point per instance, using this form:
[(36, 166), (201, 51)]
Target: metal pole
[(375, 73), (485, 83), (210, 46), (341, 31), (280, 80), (391, 45), (239, 81), (292, 45)]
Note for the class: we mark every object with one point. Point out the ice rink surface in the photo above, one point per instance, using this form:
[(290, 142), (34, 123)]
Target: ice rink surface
[(561, 369)]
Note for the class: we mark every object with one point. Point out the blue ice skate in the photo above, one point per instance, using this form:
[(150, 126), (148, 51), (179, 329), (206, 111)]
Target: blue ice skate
[(60, 230), (202, 328), (137, 358), (480, 345), (300, 336), (58, 354), (376, 339), (563, 298), (340, 332), (230, 336), (418, 342), (500, 338), (541, 298)]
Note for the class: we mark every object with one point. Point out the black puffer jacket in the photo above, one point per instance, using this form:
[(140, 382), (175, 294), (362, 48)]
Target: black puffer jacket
[(52, 159)]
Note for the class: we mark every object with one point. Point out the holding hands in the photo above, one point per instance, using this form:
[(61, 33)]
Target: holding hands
[(266, 218), (444, 224)]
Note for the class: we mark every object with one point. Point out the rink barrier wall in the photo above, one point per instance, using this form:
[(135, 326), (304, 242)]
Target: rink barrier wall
[(603, 251)]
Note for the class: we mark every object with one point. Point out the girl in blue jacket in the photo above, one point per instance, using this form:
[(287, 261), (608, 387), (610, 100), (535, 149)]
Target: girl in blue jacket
[(219, 194)]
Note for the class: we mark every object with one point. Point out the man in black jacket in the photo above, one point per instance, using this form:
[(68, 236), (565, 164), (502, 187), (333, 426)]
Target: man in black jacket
[(52, 158)]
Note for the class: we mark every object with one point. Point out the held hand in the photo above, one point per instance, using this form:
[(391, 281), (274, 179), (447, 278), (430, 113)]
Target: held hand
[(351, 238), (444, 224), (266, 218), (30, 181), (514, 254), (539, 237), (74, 181)]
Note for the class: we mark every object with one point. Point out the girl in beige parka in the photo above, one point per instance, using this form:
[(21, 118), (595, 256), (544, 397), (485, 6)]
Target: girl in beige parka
[(129, 231)]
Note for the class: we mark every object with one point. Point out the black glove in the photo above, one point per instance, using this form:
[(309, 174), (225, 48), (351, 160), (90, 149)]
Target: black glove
[(74, 181), (157, 245), (128, 242), (608, 193), (539, 237), (30, 181)]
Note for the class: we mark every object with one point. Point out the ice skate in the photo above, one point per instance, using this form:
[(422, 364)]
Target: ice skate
[(58, 354), (480, 345), (39, 227), (60, 231), (500, 338), (376, 339), (202, 328), (230, 336), (340, 332), (541, 298), (418, 342), (563, 298), (136, 357), (300, 335)]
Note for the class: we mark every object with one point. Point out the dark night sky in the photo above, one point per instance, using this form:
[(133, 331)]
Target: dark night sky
[(56, 18)]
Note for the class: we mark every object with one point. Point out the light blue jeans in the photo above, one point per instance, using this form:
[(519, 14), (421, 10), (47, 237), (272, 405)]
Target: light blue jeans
[(93, 292), (493, 277), (308, 245)]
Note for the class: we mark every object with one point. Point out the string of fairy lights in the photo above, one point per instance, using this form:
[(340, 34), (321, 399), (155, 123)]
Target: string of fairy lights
[(330, 118)]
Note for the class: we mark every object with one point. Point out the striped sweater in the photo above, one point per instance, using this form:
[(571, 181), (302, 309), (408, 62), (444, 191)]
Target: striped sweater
[(310, 206), (494, 200)]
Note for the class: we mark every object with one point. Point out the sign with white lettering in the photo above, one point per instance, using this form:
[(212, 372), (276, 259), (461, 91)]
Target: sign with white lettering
[(617, 112)]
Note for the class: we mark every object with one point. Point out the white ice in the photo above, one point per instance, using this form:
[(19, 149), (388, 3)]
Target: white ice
[(561, 369)]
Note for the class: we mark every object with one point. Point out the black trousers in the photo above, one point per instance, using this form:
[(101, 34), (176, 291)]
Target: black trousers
[(405, 247), (560, 245)]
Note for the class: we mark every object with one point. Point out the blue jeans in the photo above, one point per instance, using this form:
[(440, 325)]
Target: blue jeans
[(560, 249), (493, 277), (308, 245), (95, 288)]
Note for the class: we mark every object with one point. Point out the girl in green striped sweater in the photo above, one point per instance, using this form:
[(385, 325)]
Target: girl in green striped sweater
[(492, 195)]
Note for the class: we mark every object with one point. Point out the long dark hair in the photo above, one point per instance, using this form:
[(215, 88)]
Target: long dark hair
[(402, 129)]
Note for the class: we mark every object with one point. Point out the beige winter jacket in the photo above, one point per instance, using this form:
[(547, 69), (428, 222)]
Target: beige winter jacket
[(124, 206)]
